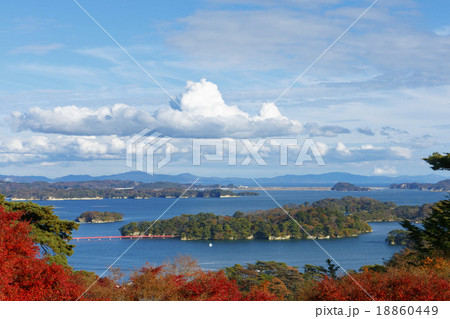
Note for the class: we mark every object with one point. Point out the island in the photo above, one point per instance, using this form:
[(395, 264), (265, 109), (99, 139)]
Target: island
[(112, 190), (247, 193), (96, 217), (442, 186), (347, 187), (324, 219), (372, 210), (273, 224)]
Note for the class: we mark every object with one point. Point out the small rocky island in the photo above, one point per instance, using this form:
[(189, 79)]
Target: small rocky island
[(96, 217), (347, 187)]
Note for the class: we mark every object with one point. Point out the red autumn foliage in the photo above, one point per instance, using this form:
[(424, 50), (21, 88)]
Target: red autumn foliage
[(211, 286), (181, 280), (261, 293), (23, 275), (394, 285)]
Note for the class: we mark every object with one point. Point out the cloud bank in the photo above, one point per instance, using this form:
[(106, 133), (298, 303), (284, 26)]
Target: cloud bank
[(199, 112)]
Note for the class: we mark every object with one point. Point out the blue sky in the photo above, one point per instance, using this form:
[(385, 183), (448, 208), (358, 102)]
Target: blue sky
[(375, 103)]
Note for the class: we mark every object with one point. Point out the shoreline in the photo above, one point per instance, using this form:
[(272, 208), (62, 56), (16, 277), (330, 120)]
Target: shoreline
[(268, 188), (100, 198)]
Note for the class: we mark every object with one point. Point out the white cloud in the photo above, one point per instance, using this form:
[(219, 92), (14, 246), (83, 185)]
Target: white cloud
[(401, 151), (342, 149), (323, 148), (202, 103), (60, 148), (6, 158), (384, 171), (443, 30), (88, 145), (385, 49), (119, 119), (38, 49), (365, 152)]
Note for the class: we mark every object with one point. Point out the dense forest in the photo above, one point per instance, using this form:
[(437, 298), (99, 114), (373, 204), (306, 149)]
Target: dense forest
[(109, 189), (97, 217), (327, 218), (271, 224), (347, 187), (372, 210)]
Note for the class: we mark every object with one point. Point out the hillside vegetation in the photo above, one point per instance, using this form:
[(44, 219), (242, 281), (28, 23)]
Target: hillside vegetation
[(96, 217), (109, 189), (347, 187), (327, 218)]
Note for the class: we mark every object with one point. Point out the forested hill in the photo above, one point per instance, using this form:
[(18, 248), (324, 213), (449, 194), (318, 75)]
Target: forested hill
[(327, 218), (109, 189), (347, 187), (442, 186), (369, 209), (271, 224)]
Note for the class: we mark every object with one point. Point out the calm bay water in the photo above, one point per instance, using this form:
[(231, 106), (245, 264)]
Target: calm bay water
[(351, 253)]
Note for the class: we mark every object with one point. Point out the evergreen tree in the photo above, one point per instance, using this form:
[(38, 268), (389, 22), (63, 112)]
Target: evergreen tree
[(434, 237), (50, 232), (332, 269), (439, 161)]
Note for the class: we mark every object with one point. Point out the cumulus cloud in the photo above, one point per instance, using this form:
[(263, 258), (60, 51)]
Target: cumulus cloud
[(366, 131), (199, 112), (6, 158), (119, 119), (60, 148), (366, 152)]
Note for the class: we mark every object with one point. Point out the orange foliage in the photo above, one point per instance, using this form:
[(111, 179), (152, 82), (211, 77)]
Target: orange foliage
[(169, 282), (393, 285)]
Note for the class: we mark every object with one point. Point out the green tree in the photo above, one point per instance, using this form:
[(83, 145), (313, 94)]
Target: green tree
[(439, 161), (332, 269), (314, 272), (238, 214), (434, 236), (281, 278), (50, 232)]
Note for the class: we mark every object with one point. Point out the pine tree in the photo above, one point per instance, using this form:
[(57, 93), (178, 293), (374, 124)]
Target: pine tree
[(434, 237)]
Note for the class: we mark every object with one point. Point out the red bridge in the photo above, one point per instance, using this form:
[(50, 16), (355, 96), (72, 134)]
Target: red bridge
[(122, 237)]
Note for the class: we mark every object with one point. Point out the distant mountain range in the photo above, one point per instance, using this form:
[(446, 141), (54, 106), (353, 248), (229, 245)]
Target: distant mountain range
[(327, 179)]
